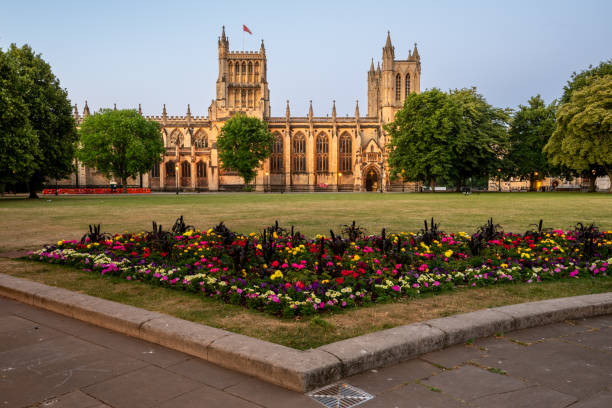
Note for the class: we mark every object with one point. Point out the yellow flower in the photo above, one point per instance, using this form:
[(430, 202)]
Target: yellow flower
[(356, 258), (448, 253), (276, 274), (60, 242), (503, 265), (274, 235)]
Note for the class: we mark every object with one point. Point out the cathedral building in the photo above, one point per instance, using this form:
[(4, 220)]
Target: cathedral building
[(310, 153)]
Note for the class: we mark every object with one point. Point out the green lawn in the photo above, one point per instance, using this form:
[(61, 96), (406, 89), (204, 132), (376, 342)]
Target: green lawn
[(29, 224)]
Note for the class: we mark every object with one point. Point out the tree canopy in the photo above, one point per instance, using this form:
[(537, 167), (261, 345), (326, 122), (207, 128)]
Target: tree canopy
[(18, 141), (243, 144), (582, 139), (584, 78), (530, 129), (50, 134), (452, 136), (120, 144)]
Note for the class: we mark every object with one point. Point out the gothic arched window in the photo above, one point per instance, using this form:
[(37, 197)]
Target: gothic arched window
[(170, 172), (398, 87), (298, 154), (200, 139), (407, 85), (276, 158), (185, 169), (346, 154), (322, 153), (201, 169), (231, 71), (176, 138), (243, 98)]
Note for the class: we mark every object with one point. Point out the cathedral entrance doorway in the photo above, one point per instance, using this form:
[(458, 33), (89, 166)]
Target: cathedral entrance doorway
[(372, 178)]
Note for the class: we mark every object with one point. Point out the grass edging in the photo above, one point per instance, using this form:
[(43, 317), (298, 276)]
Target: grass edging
[(294, 369)]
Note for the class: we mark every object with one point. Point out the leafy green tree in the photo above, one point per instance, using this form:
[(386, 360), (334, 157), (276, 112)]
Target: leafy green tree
[(481, 139), (244, 143), (18, 141), (420, 135), (584, 78), (582, 139), (120, 144), (50, 117), (453, 136), (531, 128)]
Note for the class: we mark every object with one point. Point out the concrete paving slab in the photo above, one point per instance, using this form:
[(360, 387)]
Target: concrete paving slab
[(555, 330), (414, 396), (74, 399), (208, 373), (567, 368), (270, 396), (600, 400), (206, 397), (598, 339), (10, 340), (56, 366), (453, 356), (376, 382), (146, 387), (12, 323), (526, 398), (469, 383)]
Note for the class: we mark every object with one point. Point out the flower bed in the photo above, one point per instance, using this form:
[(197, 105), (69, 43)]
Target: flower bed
[(284, 273)]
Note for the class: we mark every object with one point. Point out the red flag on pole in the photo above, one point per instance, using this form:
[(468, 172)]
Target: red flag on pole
[(245, 28)]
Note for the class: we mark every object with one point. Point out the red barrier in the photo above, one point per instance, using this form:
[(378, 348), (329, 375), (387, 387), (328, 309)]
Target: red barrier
[(87, 190)]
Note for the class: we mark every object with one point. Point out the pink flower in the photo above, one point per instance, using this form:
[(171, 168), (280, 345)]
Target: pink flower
[(396, 288), (436, 283), (574, 273)]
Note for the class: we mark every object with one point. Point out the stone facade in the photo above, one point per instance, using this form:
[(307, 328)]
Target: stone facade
[(311, 153)]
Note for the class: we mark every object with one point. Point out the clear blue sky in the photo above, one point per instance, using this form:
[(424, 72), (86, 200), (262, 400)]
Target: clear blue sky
[(156, 52)]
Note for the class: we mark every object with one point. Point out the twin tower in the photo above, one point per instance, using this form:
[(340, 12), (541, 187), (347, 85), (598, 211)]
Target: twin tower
[(242, 84)]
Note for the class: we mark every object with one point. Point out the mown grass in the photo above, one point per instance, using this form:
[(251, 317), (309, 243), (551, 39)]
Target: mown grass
[(29, 224), (303, 333)]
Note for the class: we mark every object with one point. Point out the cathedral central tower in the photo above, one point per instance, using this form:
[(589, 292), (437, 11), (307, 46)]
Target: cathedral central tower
[(242, 84)]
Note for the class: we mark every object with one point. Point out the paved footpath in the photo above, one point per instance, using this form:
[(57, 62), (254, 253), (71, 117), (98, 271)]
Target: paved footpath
[(48, 360)]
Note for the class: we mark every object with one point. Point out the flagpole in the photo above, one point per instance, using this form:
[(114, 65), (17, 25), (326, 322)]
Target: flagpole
[(243, 40)]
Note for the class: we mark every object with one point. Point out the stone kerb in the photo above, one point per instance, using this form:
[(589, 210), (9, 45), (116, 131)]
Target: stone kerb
[(294, 369)]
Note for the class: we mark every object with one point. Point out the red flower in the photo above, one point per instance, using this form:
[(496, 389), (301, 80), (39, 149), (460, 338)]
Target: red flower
[(340, 281)]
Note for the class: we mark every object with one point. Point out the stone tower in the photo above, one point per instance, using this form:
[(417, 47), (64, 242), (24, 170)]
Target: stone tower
[(388, 88), (242, 84)]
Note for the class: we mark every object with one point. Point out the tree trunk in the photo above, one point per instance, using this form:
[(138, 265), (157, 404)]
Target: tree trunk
[(532, 184), (124, 182), (592, 179), (610, 177), (32, 190), (432, 184)]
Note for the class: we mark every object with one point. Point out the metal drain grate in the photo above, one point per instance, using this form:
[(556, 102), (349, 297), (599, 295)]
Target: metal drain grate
[(340, 396)]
